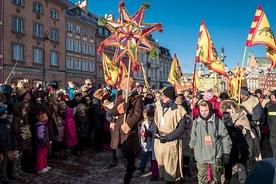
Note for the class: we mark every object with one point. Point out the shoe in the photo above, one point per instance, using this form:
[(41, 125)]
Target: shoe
[(15, 175), (226, 182), (153, 178), (113, 163), (48, 167), (5, 180), (43, 171), (20, 172), (107, 147)]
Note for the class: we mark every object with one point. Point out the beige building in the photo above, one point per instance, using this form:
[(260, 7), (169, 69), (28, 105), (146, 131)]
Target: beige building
[(34, 41)]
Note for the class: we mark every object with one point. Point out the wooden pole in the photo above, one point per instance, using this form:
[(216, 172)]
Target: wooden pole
[(10, 73), (240, 82)]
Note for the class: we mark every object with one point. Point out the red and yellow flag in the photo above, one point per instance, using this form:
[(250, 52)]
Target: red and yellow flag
[(122, 73), (175, 74), (260, 31), (204, 50), (111, 71), (196, 82), (271, 55), (145, 76)]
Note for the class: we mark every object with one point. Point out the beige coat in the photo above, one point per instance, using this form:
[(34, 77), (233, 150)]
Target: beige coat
[(169, 155)]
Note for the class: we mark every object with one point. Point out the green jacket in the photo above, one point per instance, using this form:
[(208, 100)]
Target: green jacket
[(209, 151)]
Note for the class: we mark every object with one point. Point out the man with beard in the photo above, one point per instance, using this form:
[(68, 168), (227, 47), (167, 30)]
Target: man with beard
[(210, 143), (129, 109)]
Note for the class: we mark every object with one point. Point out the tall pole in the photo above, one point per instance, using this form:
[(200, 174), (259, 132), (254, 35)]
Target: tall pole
[(45, 38)]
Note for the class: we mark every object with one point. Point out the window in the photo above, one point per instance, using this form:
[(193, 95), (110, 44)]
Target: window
[(69, 63), (77, 64), (54, 58), (100, 30), (91, 33), (77, 29), (17, 52), (105, 32), (37, 30), (37, 7), (69, 44), (91, 49), (84, 31), (84, 66), (18, 2), (54, 14), (84, 48), (17, 24), (77, 46), (37, 55), (101, 58), (54, 34), (69, 26), (91, 66)]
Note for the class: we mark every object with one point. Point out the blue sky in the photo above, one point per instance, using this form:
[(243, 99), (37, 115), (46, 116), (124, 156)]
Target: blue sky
[(228, 23)]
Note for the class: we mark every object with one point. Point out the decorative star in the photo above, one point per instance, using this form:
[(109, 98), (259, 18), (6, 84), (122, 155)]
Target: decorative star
[(129, 34)]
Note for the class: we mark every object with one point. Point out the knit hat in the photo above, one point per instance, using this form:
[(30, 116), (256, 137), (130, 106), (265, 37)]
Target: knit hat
[(244, 90), (42, 116), (132, 81), (208, 95), (3, 111), (21, 92), (273, 92), (169, 92)]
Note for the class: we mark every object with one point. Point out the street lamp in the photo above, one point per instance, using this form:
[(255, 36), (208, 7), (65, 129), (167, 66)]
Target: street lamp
[(45, 38)]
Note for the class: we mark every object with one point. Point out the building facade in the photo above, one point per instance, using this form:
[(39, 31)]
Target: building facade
[(34, 41)]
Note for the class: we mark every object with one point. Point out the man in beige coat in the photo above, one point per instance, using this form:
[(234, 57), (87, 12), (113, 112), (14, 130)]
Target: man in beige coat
[(168, 148)]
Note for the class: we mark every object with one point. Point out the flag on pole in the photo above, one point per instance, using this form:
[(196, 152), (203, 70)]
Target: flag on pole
[(111, 71), (175, 74), (196, 82), (145, 76), (204, 51), (122, 73), (260, 31), (271, 55)]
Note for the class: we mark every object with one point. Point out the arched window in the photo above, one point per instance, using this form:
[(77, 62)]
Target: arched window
[(54, 14), (37, 7)]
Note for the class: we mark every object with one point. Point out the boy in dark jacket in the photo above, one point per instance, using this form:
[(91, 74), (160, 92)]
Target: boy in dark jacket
[(7, 143)]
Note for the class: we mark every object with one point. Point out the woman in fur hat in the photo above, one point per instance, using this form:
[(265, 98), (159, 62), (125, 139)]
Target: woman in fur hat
[(240, 132)]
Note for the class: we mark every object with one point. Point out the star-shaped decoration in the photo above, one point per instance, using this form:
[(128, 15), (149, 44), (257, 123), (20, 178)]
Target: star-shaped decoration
[(129, 34)]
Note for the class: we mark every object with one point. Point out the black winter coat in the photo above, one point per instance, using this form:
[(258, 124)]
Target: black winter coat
[(7, 137)]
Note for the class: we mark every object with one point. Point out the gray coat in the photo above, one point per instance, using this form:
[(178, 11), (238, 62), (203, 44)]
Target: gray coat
[(220, 140)]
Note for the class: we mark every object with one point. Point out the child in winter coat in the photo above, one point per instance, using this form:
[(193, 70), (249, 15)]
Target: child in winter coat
[(146, 139), (70, 132), (7, 143), (82, 123), (42, 143)]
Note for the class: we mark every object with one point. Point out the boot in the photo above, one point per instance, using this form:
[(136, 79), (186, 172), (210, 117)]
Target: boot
[(20, 172), (15, 175), (5, 180), (114, 163), (69, 154)]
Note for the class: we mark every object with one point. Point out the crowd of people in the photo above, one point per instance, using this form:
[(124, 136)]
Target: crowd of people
[(168, 127)]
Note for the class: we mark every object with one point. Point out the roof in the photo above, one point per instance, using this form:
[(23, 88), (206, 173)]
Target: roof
[(262, 60)]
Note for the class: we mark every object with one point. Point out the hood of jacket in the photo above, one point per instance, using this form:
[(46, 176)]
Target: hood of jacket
[(69, 112), (18, 107), (226, 104)]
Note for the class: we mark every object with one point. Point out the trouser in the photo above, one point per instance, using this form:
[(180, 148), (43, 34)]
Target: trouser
[(130, 165), (186, 163), (98, 138), (27, 161), (202, 172), (16, 163), (41, 158), (3, 164), (241, 172), (154, 165), (144, 159)]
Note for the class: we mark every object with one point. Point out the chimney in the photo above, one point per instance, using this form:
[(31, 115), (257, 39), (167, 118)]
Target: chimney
[(83, 5)]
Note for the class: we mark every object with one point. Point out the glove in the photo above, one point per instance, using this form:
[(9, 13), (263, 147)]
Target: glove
[(148, 133), (156, 135), (163, 139), (122, 108), (266, 130), (225, 158), (125, 128), (192, 154)]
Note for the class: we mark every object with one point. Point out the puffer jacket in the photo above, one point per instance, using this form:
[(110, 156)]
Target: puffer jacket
[(7, 137), (70, 129)]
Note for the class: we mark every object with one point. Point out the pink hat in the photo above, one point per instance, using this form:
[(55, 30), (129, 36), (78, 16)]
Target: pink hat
[(208, 95)]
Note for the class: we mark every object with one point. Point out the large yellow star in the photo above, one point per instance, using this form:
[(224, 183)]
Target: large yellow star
[(129, 34)]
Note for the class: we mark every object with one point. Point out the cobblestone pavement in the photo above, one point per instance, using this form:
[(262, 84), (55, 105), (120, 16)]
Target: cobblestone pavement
[(93, 168)]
